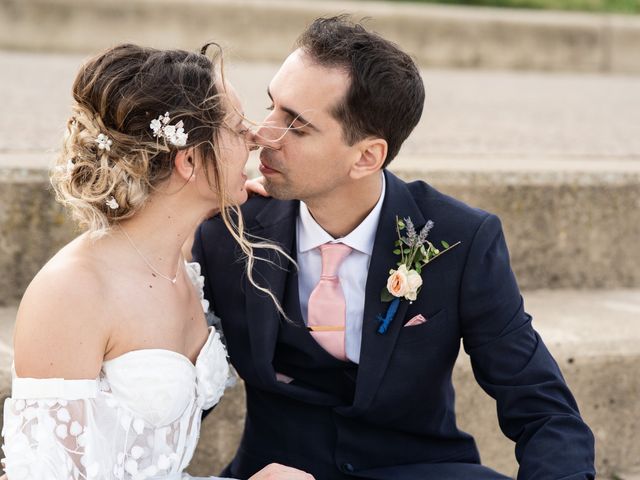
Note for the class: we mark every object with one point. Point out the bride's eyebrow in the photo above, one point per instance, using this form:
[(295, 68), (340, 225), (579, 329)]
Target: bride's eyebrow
[(295, 115)]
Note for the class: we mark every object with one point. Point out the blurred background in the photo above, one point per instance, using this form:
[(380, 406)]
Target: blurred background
[(532, 112)]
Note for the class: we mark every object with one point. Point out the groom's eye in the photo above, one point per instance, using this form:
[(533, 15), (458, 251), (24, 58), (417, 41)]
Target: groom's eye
[(295, 130)]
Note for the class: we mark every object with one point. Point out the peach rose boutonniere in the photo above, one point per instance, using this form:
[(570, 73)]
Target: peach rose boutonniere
[(415, 252)]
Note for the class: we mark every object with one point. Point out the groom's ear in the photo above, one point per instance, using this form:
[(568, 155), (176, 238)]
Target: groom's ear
[(184, 164), (373, 152)]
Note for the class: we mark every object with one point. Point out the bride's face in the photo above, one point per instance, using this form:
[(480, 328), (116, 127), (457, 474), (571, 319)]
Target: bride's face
[(234, 141)]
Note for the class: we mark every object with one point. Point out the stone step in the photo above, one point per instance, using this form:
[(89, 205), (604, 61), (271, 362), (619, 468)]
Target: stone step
[(437, 35), (599, 361), (507, 119), (566, 228)]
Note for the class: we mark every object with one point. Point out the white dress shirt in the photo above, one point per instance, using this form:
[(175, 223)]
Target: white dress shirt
[(352, 272)]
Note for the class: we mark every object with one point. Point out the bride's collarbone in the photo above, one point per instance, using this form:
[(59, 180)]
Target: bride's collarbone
[(157, 321)]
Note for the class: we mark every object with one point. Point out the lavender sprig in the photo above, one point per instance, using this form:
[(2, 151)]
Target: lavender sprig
[(411, 232), (425, 232)]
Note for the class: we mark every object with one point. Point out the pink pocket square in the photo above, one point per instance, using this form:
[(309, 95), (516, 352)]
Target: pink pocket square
[(417, 320), (281, 377)]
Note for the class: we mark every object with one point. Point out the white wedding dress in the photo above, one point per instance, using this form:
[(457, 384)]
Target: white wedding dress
[(140, 419)]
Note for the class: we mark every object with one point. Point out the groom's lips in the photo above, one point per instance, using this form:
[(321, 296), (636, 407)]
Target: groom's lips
[(264, 167), (266, 170)]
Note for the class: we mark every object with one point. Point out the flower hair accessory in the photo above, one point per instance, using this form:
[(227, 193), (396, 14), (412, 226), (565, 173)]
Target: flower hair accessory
[(174, 134), (104, 142), (112, 203), (405, 282)]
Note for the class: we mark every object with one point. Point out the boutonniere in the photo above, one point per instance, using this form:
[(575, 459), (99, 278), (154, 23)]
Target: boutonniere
[(405, 282)]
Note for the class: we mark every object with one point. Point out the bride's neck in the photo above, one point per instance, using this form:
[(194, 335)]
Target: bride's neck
[(160, 229)]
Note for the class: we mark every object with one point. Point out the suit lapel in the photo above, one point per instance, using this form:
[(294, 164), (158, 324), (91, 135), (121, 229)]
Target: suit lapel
[(276, 222), (377, 348)]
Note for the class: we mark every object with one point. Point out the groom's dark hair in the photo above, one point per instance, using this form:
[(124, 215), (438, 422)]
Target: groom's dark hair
[(386, 94)]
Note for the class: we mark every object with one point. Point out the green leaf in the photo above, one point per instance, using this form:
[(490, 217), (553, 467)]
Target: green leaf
[(397, 251), (397, 243), (419, 269), (444, 244), (401, 224), (385, 296), (407, 250)]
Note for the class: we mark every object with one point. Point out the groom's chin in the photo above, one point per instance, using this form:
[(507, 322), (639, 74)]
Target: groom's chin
[(279, 192)]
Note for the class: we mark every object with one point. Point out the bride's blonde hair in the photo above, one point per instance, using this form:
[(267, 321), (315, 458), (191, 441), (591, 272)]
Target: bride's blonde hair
[(117, 94)]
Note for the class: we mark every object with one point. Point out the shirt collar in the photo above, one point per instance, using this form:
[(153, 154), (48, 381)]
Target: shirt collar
[(311, 235)]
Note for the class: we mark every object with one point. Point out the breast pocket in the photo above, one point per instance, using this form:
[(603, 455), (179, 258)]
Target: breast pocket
[(429, 330)]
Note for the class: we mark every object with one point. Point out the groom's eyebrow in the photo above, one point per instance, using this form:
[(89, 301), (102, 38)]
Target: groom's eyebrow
[(295, 114)]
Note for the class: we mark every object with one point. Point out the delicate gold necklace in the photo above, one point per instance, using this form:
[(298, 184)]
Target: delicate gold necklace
[(151, 267)]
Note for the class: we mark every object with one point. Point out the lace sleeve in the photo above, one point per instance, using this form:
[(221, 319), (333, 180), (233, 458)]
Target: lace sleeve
[(196, 277), (47, 430)]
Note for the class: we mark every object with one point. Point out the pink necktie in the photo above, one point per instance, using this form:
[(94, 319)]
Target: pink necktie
[(327, 307)]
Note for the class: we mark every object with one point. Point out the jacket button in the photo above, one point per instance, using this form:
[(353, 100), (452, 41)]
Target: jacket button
[(347, 467)]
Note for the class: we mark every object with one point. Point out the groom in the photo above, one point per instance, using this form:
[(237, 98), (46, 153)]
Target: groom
[(329, 389)]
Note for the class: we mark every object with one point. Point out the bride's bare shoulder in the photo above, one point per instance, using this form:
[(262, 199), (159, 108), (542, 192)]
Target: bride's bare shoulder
[(61, 330)]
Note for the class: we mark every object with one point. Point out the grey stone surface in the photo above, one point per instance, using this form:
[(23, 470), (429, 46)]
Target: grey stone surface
[(436, 35), (515, 118), (565, 229), (32, 228), (594, 336), (7, 321)]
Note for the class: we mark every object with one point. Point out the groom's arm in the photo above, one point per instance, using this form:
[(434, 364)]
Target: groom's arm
[(199, 254), (512, 364)]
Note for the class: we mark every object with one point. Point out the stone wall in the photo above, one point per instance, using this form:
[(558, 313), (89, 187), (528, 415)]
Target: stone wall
[(570, 229)]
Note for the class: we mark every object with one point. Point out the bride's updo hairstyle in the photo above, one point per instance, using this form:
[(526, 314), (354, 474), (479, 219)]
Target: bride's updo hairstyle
[(111, 161)]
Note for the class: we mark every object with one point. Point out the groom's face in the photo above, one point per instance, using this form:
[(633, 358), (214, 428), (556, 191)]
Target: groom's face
[(305, 155)]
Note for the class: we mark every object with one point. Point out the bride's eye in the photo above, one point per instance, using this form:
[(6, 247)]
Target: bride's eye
[(242, 129), (270, 107)]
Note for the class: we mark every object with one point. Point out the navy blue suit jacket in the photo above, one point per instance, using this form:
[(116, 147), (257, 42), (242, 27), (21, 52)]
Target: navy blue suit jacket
[(401, 424)]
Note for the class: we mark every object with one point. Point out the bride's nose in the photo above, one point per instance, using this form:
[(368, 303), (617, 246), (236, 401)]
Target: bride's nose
[(251, 141)]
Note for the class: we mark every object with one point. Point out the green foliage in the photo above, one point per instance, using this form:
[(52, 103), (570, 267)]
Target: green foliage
[(608, 6)]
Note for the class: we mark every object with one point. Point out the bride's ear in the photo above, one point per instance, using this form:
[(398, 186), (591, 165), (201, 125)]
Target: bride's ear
[(185, 164)]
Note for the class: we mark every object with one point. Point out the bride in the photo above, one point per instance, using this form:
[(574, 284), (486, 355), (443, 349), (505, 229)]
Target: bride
[(114, 361)]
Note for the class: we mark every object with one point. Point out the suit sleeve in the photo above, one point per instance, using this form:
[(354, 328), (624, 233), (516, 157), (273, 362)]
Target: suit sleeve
[(512, 364), (198, 252)]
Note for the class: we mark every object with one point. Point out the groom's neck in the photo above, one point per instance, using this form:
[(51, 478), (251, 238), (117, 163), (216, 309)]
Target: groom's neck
[(341, 211)]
